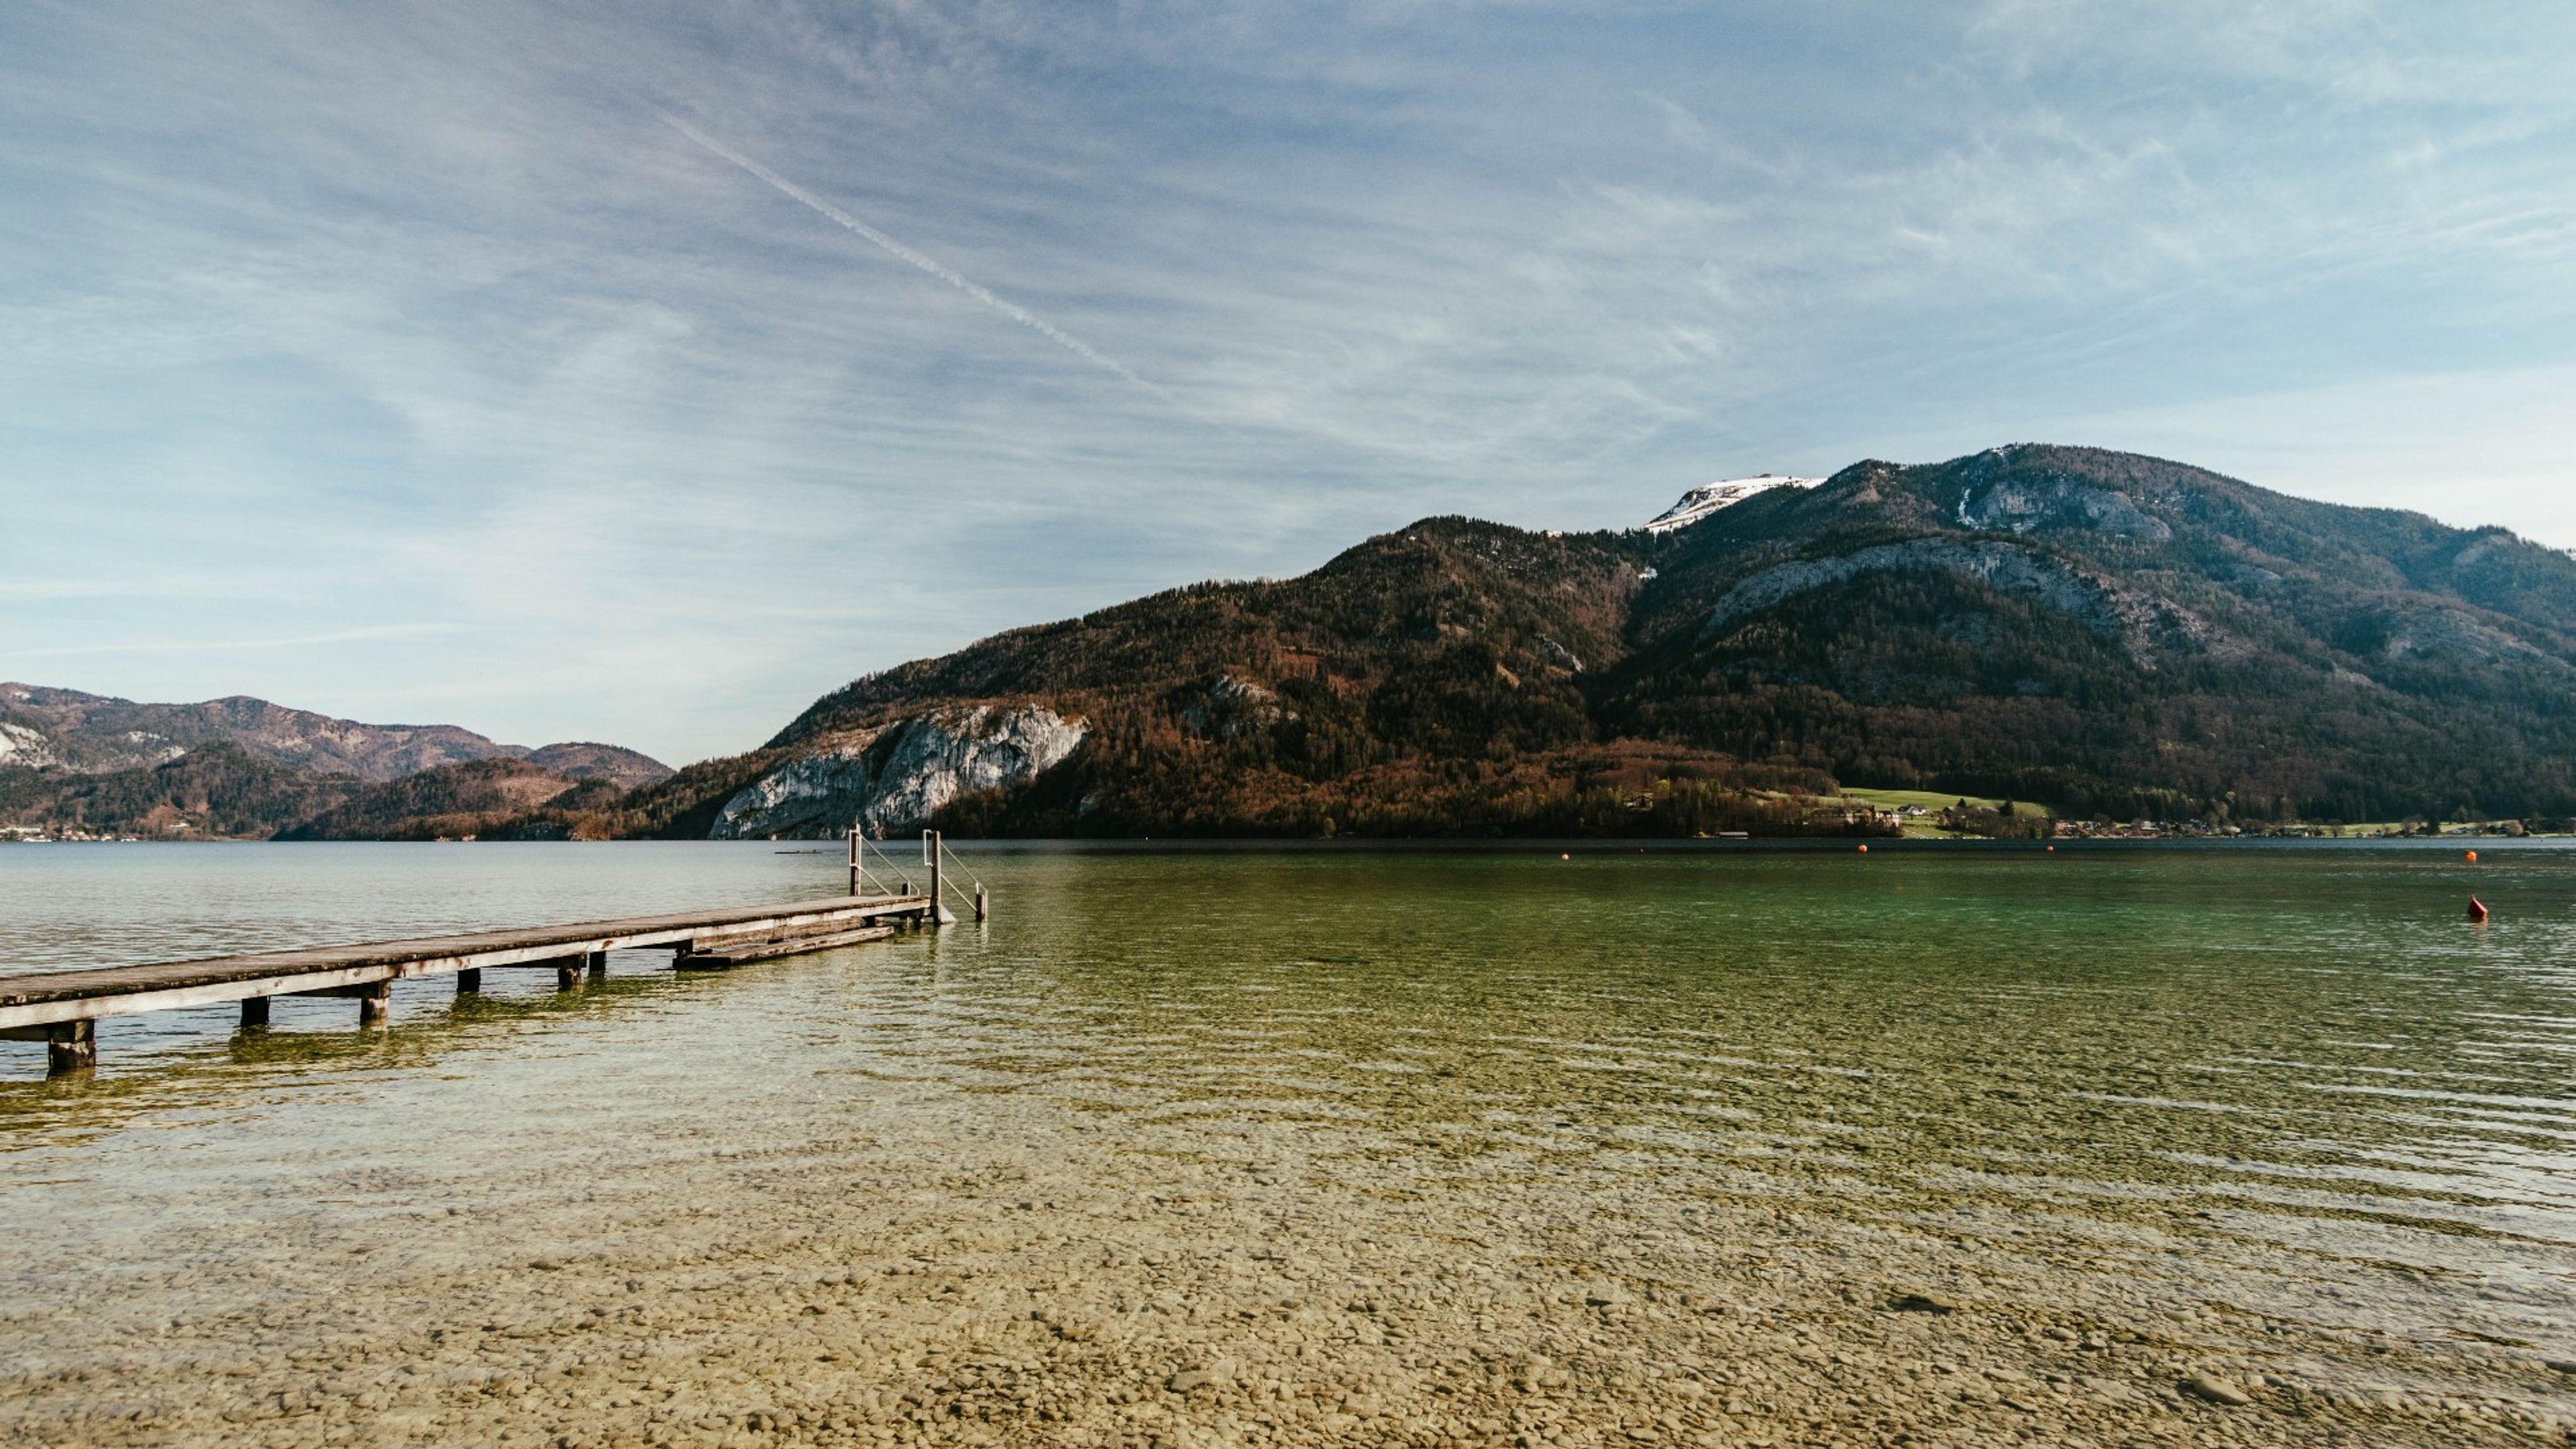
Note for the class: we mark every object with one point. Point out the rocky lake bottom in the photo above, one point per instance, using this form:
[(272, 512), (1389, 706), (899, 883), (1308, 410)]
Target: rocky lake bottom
[(2188, 1148)]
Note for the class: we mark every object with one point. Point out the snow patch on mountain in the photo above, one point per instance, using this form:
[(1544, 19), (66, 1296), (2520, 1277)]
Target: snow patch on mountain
[(1708, 498)]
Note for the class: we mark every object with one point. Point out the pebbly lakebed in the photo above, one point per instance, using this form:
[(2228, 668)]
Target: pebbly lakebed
[(2101, 1147)]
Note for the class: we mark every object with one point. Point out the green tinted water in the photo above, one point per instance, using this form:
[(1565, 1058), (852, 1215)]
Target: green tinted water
[(2283, 1110)]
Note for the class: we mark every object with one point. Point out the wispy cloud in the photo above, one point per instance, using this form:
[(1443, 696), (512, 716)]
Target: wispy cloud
[(898, 250), (417, 311), (225, 646)]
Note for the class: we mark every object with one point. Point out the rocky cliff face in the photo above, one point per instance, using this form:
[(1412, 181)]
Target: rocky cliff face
[(23, 745), (894, 778), (1232, 708)]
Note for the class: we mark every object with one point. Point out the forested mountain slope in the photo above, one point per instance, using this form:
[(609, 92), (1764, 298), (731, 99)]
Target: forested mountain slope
[(2111, 632), (65, 729), (1430, 679), (73, 763), (2102, 631)]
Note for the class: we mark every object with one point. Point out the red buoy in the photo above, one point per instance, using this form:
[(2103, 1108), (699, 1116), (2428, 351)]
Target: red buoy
[(2473, 857), (1864, 850), (2477, 909)]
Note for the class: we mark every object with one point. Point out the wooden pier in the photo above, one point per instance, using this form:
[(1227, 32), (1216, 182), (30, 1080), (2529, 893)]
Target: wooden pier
[(61, 1008)]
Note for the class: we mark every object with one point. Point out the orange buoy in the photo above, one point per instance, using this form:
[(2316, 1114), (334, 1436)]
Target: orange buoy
[(2477, 909), (2052, 850), (2473, 857), (1864, 850), (1565, 857)]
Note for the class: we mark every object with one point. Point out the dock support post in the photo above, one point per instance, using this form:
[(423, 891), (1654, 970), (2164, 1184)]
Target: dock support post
[(254, 1013), (983, 908), (71, 1046), (375, 1004), (598, 965), (567, 973), (930, 843), (854, 857), (469, 981)]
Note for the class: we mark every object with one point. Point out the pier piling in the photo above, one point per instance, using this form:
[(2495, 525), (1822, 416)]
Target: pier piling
[(374, 998), (72, 1048), (59, 1008), (931, 852)]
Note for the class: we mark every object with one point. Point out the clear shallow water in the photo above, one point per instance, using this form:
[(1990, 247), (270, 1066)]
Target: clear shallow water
[(2283, 1115)]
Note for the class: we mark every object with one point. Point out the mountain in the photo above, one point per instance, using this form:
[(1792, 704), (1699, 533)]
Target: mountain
[(493, 798), (2114, 633), (85, 764), (65, 729), (222, 791), (2104, 632), (588, 760), (218, 791)]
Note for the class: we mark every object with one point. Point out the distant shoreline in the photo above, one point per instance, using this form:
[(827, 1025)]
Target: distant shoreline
[(1509, 845)]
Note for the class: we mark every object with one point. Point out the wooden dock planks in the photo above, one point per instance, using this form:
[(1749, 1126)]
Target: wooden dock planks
[(724, 953), (47, 1003)]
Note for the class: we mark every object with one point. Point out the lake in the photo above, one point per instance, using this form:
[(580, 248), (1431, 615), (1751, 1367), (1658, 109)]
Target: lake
[(1276, 1147)]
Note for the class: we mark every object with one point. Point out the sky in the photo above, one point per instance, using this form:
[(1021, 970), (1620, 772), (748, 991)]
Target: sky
[(639, 371)]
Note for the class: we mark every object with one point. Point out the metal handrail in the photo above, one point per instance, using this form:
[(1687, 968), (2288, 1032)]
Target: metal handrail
[(974, 900), (936, 856), (890, 866), (885, 861), (950, 883), (950, 856)]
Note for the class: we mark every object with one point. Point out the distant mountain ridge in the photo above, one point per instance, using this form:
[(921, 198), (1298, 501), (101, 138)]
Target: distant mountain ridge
[(88, 764), (44, 727), (2116, 632), (2104, 633)]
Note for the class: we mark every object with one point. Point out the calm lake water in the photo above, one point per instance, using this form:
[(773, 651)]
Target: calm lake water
[(1736, 1148)]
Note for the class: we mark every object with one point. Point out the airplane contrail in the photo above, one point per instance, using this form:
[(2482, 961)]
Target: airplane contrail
[(1012, 310)]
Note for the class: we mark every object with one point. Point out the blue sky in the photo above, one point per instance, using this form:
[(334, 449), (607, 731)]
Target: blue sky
[(405, 361)]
